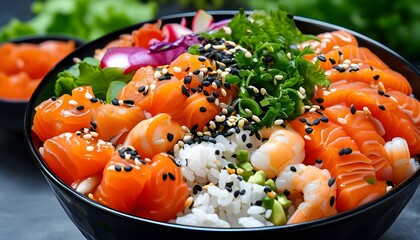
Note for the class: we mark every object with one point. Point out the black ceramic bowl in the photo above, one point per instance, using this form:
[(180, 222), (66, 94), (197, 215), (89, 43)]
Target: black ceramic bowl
[(12, 111), (96, 221)]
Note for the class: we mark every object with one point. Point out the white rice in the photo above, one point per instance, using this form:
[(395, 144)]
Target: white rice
[(225, 200)]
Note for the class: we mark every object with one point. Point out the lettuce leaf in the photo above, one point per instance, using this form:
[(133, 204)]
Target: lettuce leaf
[(89, 73), (85, 19)]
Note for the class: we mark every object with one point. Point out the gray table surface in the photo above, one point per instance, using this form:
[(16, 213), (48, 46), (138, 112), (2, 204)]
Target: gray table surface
[(29, 209)]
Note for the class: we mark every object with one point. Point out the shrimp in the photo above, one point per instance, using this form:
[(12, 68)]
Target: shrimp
[(399, 154), (284, 147), (317, 186)]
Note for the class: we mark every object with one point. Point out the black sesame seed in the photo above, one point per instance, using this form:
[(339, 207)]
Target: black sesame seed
[(258, 202), (332, 201), (340, 53), (53, 98), (229, 189), (309, 130), (164, 77), (206, 83), (322, 58), (129, 102), (128, 168), (341, 152), (184, 91), (348, 150), (164, 176), (293, 168), (170, 137), (243, 137), (196, 189), (201, 59), (324, 119), (217, 151), (242, 192), (319, 100), (196, 72), (331, 181), (286, 192), (194, 127), (118, 168), (141, 89), (267, 189), (216, 94), (94, 100), (352, 109), (389, 183), (171, 176), (249, 145), (376, 77), (382, 107), (210, 99), (115, 102), (227, 85), (317, 121), (332, 60), (206, 93), (319, 161), (302, 120), (236, 194), (187, 79), (203, 109), (80, 107)]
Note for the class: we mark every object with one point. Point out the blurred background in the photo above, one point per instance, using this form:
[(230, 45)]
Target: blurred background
[(395, 24)]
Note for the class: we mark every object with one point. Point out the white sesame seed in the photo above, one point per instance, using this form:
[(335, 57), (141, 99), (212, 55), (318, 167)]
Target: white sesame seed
[(185, 128), (278, 77), (248, 55), (158, 141), (256, 118), (302, 90), (94, 134), (90, 148), (278, 122), (381, 86), (263, 91), (164, 71), (87, 136), (111, 168), (207, 47), (219, 118), (137, 162), (216, 102), (388, 188), (147, 160), (301, 96), (157, 74), (307, 137), (393, 99), (366, 110), (223, 92), (249, 112), (212, 125), (289, 56), (312, 110), (342, 120), (72, 102), (120, 102)]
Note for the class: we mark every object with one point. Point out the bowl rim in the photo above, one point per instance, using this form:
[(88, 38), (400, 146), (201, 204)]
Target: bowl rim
[(311, 224)]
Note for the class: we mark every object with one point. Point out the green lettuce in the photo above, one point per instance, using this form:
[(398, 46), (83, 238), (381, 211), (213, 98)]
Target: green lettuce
[(106, 82), (85, 19)]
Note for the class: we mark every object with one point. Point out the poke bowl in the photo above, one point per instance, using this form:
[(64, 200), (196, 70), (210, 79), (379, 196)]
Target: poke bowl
[(19, 81), (130, 211)]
